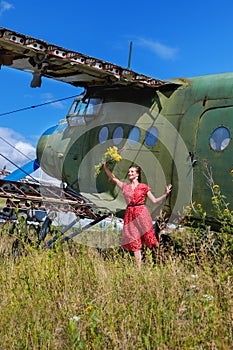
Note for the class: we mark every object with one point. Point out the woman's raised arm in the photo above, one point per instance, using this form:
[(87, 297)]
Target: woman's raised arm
[(155, 200), (111, 176)]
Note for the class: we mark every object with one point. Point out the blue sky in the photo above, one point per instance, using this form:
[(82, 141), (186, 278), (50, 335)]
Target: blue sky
[(171, 39)]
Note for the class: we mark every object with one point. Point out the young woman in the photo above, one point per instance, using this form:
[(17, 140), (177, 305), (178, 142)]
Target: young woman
[(138, 226)]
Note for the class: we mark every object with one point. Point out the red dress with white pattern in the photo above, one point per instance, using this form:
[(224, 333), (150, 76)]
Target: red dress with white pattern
[(138, 225)]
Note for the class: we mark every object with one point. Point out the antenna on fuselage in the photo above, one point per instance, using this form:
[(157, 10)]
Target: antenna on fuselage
[(130, 54)]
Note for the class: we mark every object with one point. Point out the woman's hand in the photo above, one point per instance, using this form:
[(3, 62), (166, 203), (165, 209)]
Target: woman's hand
[(168, 189)]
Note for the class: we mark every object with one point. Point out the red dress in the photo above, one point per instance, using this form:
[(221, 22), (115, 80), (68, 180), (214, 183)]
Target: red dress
[(138, 225)]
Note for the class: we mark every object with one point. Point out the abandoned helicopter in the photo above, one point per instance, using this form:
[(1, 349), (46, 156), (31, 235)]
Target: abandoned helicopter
[(179, 131)]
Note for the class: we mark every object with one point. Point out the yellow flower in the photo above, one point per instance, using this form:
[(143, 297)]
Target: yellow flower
[(111, 155), (88, 308), (216, 187), (117, 158)]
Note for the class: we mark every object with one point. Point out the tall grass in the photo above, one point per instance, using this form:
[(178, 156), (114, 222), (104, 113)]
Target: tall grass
[(77, 297), (74, 297)]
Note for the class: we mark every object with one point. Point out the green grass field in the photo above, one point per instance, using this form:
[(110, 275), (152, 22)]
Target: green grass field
[(74, 297)]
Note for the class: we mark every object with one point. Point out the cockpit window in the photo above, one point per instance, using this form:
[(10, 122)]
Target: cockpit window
[(82, 107), (93, 106), (220, 139), (85, 109)]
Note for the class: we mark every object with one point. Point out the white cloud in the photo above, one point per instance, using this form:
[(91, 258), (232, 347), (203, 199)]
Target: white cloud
[(14, 149), (156, 47), (5, 6)]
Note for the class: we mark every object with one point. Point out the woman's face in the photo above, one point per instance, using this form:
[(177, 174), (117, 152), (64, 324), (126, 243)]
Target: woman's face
[(132, 174)]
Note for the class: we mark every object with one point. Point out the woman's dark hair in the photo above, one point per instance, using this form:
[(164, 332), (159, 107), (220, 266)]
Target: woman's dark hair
[(138, 170)]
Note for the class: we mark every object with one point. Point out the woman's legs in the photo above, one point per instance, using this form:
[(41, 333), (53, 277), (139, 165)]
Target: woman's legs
[(138, 257)]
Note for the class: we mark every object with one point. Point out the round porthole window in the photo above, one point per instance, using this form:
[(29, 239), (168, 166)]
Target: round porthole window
[(151, 136), (118, 135), (134, 136), (220, 139), (103, 134)]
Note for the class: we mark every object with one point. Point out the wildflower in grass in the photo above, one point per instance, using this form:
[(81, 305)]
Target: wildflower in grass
[(88, 308), (74, 318), (208, 297), (200, 210), (73, 327), (231, 171), (216, 188), (215, 200), (112, 156), (227, 215), (188, 210)]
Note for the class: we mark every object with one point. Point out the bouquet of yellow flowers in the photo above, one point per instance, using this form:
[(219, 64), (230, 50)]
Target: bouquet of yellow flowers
[(111, 156)]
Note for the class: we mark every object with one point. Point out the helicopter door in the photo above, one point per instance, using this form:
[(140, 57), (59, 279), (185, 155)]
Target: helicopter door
[(214, 149)]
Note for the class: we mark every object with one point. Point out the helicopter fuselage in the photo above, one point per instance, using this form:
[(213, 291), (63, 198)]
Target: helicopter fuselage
[(179, 133)]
